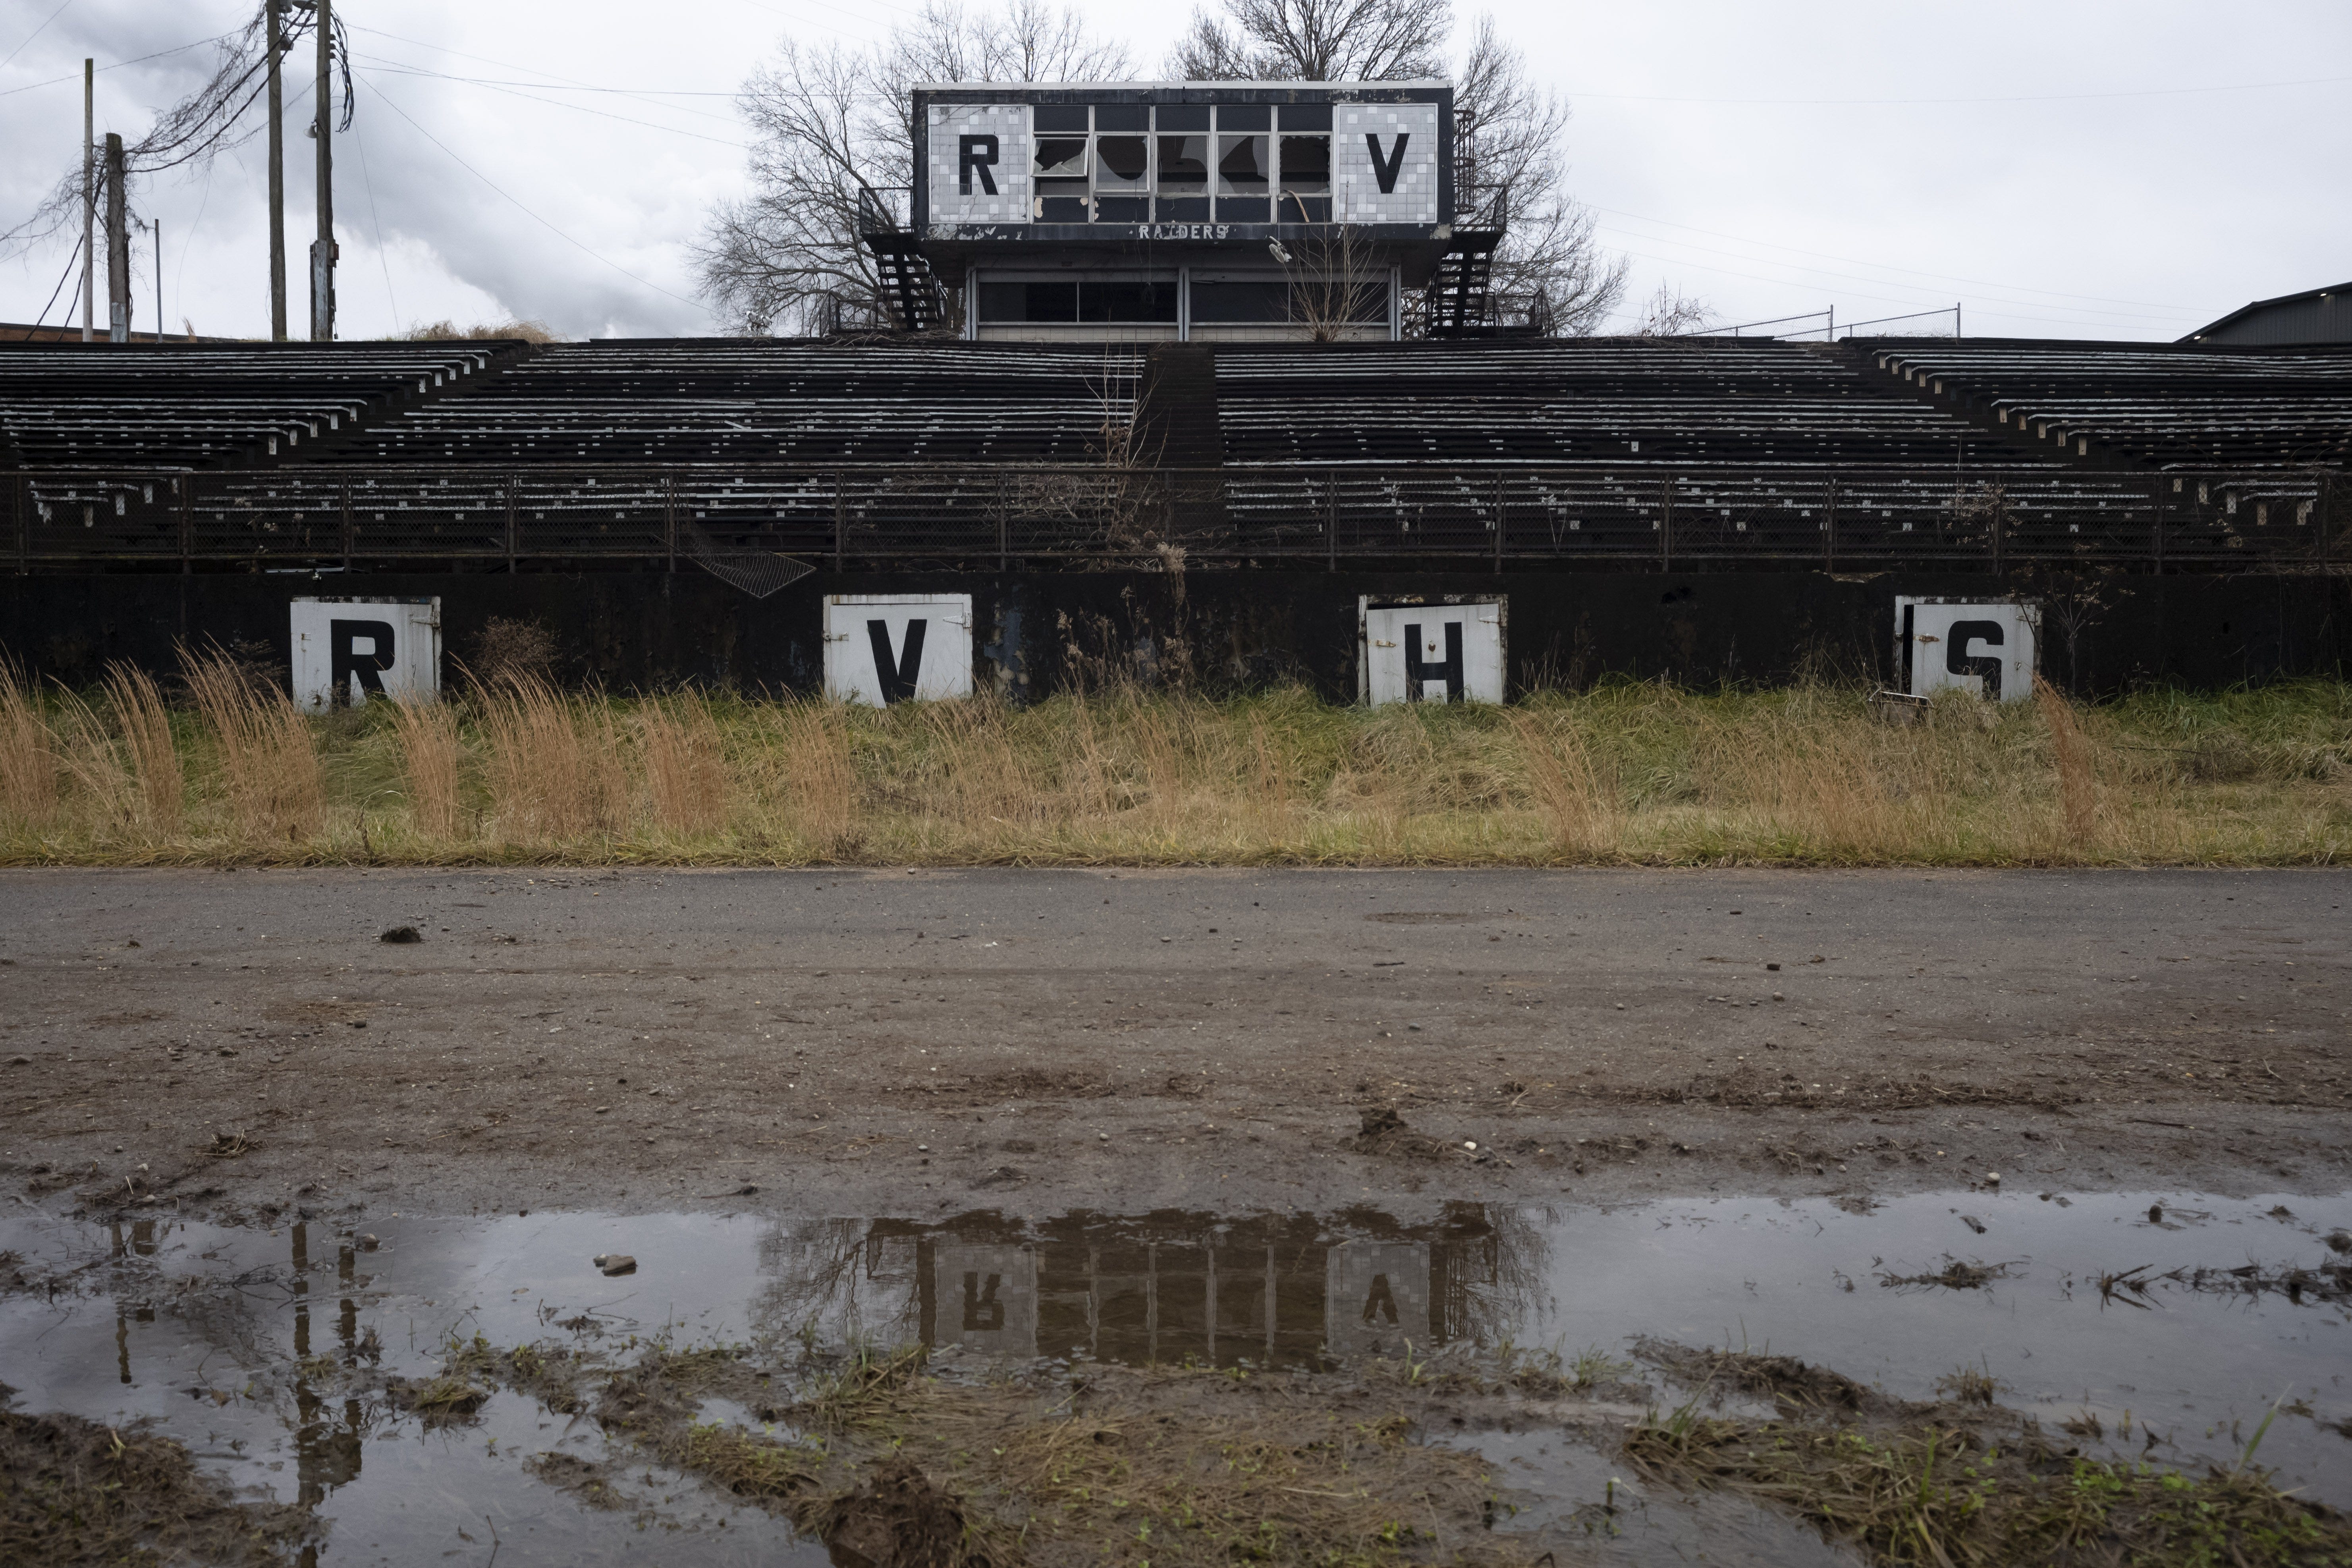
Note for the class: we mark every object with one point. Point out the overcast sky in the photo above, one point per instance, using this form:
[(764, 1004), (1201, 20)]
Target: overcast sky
[(2077, 170)]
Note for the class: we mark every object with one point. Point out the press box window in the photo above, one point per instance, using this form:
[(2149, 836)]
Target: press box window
[(1241, 165), (1307, 165), (1061, 184), (1184, 165), (1144, 301)]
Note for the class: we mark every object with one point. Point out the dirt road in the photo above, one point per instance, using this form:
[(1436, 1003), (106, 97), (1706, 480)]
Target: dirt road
[(858, 1041)]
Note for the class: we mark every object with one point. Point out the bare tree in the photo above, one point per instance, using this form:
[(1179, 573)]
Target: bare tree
[(1512, 131), (835, 132), (1508, 169), (1316, 40), (1671, 313), (1336, 284)]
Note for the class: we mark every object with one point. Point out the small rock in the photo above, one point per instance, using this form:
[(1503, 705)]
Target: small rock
[(1621, 1006), (1772, 966), (922, 1148), (1104, 1136), (20, 1061), (615, 1263), (401, 933), (1471, 1144), (602, 1108), (1993, 1176), (2339, 1241), (132, 943), (1973, 1223), (367, 1244), (228, 1051), (359, 1023), (2156, 1214)]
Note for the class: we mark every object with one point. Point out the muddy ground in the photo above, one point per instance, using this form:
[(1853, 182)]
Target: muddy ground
[(862, 1042)]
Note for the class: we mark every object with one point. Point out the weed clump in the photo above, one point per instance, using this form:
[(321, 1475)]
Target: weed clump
[(73, 1492)]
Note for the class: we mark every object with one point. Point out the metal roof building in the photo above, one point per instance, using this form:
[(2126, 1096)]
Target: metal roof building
[(2314, 316)]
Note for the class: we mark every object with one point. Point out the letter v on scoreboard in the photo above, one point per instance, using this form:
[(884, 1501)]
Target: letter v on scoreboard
[(881, 649)]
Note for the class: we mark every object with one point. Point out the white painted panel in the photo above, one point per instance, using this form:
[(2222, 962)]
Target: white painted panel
[(980, 129), (1364, 132), (985, 1297), (1989, 648), (348, 651), (1457, 651), (888, 648), (1375, 1297)]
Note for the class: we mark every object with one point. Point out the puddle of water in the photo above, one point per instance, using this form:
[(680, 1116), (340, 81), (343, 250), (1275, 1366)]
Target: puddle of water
[(207, 1329)]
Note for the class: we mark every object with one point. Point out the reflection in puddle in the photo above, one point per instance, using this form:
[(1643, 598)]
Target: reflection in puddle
[(241, 1341)]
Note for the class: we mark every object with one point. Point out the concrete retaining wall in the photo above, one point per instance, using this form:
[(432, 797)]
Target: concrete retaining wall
[(1037, 631)]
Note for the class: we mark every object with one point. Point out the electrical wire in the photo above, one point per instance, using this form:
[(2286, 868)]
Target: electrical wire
[(1880, 266), (394, 68), (554, 82), (142, 60), (36, 33), (60, 288), (2011, 98), (527, 212), (382, 258), (179, 278)]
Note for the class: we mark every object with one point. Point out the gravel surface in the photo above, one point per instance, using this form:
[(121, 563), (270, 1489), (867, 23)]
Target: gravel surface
[(868, 1042)]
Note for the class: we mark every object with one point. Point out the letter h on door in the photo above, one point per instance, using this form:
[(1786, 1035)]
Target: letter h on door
[(1417, 669)]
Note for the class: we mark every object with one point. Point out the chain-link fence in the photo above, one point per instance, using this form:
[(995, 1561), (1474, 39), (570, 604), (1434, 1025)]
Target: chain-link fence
[(1833, 518)]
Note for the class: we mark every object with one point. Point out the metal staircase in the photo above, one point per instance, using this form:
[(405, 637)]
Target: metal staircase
[(909, 289), (1459, 294)]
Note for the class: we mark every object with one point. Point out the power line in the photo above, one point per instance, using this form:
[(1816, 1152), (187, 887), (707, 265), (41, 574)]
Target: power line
[(36, 33), (554, 80), (527, 212), (1880, 266), (2012, 97), (60, 288), (142, 60), (382, 259), (396, 68)]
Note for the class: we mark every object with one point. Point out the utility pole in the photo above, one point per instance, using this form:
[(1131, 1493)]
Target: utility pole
[(89, 197), (322, 250), (159, 280), (277, 12), (118, 243)]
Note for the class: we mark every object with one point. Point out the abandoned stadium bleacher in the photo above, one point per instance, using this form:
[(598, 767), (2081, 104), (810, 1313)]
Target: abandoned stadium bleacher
[(2163, 406), (1672, 451), (196, 405)]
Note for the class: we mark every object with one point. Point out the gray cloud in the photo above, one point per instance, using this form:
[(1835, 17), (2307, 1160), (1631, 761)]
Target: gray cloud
[(2052, 190)]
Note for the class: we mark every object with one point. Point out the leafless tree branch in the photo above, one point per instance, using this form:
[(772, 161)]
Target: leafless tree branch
[(833, 125)]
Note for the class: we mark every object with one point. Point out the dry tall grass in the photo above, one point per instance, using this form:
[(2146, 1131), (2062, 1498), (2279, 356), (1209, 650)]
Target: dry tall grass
[(430, 751), (28, 761), (556, 772), (686, 772), (145, 720), (268, 761), (2076, 787), (1633, 774)]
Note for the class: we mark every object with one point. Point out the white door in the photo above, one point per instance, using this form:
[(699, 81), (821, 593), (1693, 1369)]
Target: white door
[(348, 650), (881, 649), (1987, 648), (1433, 653)]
